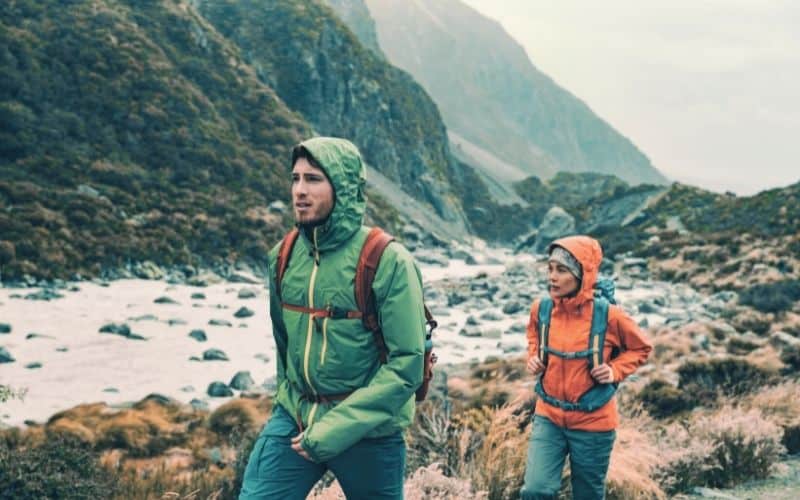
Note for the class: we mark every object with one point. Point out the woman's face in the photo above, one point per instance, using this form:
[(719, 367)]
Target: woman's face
[(562, 282)]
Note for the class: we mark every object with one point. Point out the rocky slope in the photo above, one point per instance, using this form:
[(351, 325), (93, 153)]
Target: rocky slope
[(494, 99)]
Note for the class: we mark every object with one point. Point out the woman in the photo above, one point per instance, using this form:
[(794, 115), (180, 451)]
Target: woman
[(576, 412)]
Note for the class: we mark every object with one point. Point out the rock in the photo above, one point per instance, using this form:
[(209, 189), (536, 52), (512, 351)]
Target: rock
[(277, 207), (472, 321), (432, 258), (556, 224), (518, 328), (491, 316), (32, 336), (712, 493), (701, 342), (607, 266), (112, 390), (242, 381), (439, 312), (470, 331), (198, 296), (88, 190), (165, 300), (215, 355), (44, 294), (243, 312), (247, 293), (644, 323), (5, 356), (117, 329), (219, 322), (263, 357), (270, 385), (509, 348), (219, 390), (647, 308), (145, 317), (492, 333), (33, 366), (454, 298), (462, 254), (201, 405), (62, 349), (148, 270), (198, 335), (512, 307), (5, 328), (411, 233), (175, 321), (187, 388)]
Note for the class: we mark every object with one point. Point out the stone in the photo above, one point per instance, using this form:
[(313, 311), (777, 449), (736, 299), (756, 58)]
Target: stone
[(431, 258), (5, 356), (277, 207), (32, 336), (44, 294), (187, 388), (148, 270), (263, 357), (555, 224), (198, 296), (175, 321), (518, 328), (199, 404), (5, 328), (117, 329), (512, 307), (647, 308), (491, 316), (62, 349), (455, 298), (215, 355), (165, 300), (472, 321), (242, 381), (470, 331), (112, 390), (492, 333), (198, 335), (219, 322), (219, 390), (145, 317), (243, 312), (33, 366), (247, 293)]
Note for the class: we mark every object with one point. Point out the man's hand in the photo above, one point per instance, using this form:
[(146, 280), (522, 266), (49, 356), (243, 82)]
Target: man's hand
[(603, 373), (535, 365), (296, 446)]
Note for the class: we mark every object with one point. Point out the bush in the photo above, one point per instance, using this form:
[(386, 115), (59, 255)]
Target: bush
[(662, 399), (61, 467), (703, 381), (720, 450), (772, 297)]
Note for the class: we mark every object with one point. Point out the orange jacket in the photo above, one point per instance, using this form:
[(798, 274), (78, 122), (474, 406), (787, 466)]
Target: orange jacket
[(570, 321)]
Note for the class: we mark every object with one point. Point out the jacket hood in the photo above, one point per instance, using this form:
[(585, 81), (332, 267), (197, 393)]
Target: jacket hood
[(588, 252), (341, 161)]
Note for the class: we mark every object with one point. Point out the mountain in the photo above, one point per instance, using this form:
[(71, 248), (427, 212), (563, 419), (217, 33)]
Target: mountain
[(498, 107), (135, 131), (319, 69)]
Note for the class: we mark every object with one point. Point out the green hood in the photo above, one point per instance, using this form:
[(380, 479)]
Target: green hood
[(341, 161)]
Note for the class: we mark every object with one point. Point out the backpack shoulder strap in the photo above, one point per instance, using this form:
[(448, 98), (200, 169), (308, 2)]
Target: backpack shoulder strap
[(597, 334), (376, 242), (284, 253), (545, 310)]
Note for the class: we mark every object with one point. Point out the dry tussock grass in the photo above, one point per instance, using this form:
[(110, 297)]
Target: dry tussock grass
[(633, 460)]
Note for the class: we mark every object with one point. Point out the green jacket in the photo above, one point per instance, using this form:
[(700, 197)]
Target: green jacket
[(333, 356)]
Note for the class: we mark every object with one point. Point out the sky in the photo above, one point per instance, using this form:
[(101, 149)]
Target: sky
[(708, 90)]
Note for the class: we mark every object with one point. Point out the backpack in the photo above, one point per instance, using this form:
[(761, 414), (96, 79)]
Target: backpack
[(368, 260), (599, 394)]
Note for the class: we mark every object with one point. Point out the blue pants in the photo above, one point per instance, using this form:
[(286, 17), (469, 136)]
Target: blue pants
[(371, 468), (589, 453)]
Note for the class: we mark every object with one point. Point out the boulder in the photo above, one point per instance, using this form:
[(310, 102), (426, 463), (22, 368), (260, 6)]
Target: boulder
[(557, 223), (33, 366), (470, 331), (512, 307), (219, 390), (243, 312), (215, 355), (5, 328), (198, 296), (148, 270), (242, 381), (165, 300), (198, 335), (5, 356), (247, 293), (219, 322)]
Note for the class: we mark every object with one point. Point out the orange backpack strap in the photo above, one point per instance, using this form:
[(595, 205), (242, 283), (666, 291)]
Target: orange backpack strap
[(376, 242), (287, 245)]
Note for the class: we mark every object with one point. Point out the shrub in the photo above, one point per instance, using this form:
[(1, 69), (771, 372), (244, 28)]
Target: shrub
[(772, 297), (662, 399), (61, 467), (238, 415), (726, 448), (704, 380)]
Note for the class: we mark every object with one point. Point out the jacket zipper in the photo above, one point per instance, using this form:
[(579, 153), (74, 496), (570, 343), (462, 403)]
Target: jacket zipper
[(324, 341), (310, 329)]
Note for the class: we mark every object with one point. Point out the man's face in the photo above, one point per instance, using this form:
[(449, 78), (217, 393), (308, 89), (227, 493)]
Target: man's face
[(562, 281), (312, 193)]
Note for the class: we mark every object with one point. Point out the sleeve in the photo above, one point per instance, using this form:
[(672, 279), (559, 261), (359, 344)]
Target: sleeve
[(398, 290), (533, 330), (278, 327), (634, 346)]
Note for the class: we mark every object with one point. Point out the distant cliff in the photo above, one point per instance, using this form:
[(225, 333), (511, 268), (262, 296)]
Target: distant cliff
[(492, 97)]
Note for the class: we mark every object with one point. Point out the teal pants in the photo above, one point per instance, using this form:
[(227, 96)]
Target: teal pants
[(372, 468), (589, 453)]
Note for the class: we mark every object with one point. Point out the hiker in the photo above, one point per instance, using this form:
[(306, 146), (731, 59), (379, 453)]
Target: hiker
[(576, 411), (343, 399)]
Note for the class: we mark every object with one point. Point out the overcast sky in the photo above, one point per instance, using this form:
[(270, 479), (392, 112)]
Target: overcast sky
[(708, 90)]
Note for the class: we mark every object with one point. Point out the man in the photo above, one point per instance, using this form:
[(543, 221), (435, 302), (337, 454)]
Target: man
[(338, 406)]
